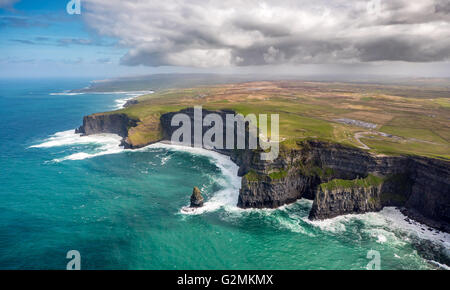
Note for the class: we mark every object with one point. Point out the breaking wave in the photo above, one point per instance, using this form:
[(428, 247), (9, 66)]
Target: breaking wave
[(230, 181), (392, 227), (68, 93), (110, 144), (107, 144), (118, 104)]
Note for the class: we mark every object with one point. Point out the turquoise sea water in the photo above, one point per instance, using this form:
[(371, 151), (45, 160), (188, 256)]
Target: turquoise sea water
[(121, 209)]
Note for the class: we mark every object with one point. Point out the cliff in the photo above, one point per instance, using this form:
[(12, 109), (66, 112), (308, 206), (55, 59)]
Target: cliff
[(106, 123), (343, 180), (340, 179), (372, 193)]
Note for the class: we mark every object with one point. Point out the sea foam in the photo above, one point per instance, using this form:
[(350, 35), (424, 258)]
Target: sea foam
[(227, 197), (120, 103), (109, 144), (390, 226), (66, 94)]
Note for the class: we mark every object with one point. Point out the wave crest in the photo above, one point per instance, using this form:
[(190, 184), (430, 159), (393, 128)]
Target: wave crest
[(109, 144)]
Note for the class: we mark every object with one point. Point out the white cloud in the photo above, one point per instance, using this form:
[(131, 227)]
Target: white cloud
[(221, 33)]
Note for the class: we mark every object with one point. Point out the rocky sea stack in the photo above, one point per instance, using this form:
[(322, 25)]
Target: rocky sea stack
[(196, 198)]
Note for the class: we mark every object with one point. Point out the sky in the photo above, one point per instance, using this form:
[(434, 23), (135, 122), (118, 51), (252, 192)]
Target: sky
[(113, 38)]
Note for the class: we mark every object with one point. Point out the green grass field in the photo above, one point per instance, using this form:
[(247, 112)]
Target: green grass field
[(416, 117)]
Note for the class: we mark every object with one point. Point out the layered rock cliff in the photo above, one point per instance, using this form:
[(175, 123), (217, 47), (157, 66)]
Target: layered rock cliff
[(372, 193), (340, 179), (343, 180), (335, 202), (106, 123)]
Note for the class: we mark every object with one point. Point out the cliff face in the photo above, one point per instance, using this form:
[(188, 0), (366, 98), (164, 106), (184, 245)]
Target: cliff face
[(344, 180), (271, 191), (332, 203), (338, 178), (368, 194), (106, 123), (168, 129), (430, 191)]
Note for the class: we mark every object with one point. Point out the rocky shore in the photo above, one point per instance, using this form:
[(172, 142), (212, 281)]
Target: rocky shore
[(340, 179)]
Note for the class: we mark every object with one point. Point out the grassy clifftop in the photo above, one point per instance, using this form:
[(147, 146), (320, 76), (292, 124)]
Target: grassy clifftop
[(408, 120), (370, 180)]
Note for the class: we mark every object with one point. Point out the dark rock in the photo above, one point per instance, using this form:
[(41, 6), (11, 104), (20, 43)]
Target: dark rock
[(168, 129), (434, 223), (332, 203), (131, 103), (265, 192), (196, 198), (106, 123)]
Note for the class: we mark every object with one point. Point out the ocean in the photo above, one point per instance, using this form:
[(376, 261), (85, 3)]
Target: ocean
[(121, 209)]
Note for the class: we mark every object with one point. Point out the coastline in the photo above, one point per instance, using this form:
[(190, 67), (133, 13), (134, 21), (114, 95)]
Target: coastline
[(165, 144), (235, 209), (416, 183), (389, 217)]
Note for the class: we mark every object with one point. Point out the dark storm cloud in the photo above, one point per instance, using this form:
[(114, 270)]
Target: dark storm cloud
[(404, 49), (442, 6), (143, 57), (290, 51), (400, 12), (246, 33)]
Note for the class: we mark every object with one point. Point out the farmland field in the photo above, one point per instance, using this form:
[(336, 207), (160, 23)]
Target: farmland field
[(406, 119)]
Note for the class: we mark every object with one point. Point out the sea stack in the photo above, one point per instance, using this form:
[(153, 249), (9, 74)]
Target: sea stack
[(196, 198)]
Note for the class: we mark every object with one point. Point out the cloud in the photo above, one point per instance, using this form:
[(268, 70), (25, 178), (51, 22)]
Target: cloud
[(23, 41), (21, 22), (217, 33), (410, 49), (76, 41), (42, 40), (8, 4), (443, 7)]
